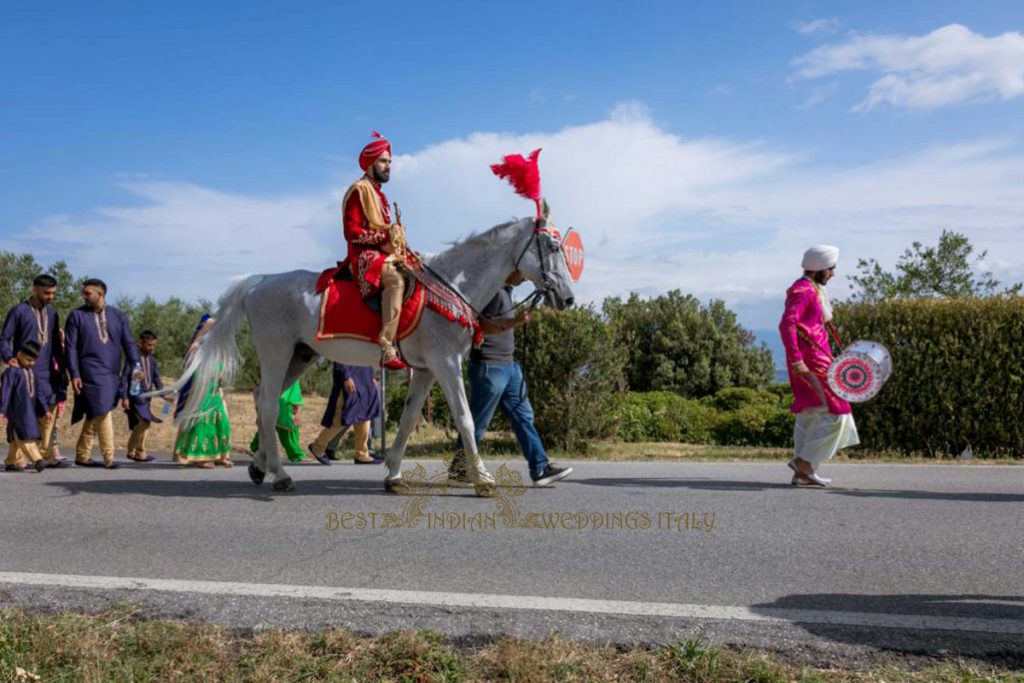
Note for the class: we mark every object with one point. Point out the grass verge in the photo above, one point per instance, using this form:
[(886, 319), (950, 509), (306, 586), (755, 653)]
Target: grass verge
[(116, 646)]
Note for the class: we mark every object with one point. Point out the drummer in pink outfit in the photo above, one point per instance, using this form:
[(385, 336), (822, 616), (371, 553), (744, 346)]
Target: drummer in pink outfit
[(824, 422)]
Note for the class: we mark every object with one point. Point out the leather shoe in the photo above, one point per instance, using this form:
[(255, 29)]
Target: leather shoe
[(322, 458)]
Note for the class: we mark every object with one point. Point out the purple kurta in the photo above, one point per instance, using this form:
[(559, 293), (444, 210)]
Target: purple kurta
[(97, 362), (22, 325), (139, 407), (18, 404), (361, 406)]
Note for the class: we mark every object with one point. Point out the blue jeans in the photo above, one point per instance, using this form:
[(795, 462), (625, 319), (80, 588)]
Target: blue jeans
[(493, 385)]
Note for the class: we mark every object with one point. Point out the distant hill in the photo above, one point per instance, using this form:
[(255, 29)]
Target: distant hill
[(771, 339)]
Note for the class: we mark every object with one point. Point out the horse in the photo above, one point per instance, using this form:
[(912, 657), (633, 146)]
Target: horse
[(282, 310)]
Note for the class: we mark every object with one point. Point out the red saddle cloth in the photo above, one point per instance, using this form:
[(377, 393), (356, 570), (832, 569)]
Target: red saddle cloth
[(344, 314)]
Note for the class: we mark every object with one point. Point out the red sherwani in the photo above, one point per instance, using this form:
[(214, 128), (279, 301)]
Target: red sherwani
[(365, 256), (806, 339)]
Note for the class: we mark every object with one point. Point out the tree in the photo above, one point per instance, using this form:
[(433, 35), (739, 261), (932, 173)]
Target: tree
[(573, 367), (945, 270), (17, 272), (173, 321), (678, 344)]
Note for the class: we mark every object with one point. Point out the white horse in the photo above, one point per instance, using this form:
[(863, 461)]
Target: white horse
[(283, 309)]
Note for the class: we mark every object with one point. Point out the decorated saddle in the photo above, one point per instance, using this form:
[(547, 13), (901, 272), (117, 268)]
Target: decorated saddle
[(344, 314)]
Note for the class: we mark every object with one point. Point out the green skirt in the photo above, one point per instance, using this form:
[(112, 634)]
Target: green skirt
[(210, 437)]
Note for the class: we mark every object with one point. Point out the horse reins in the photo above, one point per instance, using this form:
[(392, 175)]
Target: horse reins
[(532, 300)]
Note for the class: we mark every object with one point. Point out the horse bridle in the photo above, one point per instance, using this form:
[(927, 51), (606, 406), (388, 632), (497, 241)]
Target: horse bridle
[(538, 294), (539, 227)]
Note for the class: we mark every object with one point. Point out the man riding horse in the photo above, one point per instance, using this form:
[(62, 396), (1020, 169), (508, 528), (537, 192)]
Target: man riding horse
[(377, 250)]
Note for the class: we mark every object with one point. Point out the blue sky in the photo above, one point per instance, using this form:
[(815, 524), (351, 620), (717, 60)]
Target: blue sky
[(715, 140)]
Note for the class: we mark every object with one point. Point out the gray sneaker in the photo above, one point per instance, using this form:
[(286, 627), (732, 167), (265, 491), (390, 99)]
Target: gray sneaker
[(552, 474)]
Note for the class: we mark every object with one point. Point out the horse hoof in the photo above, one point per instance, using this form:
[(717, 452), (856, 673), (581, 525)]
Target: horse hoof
[(256, 474), (395, 485), (285, 485), (485, 490)]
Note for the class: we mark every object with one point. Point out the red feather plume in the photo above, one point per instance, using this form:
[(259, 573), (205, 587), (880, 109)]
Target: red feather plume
[(522, 174)]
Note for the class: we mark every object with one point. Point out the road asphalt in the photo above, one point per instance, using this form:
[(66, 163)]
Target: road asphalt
[(892, 558)]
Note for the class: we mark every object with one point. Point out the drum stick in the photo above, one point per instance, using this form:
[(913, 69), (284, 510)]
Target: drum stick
[(818, 389)]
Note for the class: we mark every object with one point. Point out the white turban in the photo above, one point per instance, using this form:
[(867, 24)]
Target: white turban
[(821, 257)]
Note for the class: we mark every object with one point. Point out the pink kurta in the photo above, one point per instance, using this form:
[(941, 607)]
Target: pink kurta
[(806, 339)]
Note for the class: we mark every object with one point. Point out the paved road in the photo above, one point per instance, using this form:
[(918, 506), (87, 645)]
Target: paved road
[(894, 556)]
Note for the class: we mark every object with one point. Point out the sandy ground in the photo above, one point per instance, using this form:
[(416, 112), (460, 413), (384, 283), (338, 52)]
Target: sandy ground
[(241, 411)]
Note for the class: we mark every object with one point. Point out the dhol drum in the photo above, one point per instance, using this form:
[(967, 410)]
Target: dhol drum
[(858, 373)]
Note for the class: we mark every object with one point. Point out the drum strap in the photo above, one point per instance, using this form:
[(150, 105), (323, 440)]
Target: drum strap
[(835, 335), (831, 329)]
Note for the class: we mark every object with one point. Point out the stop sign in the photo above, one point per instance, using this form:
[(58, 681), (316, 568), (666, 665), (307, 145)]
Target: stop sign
[(573, 249)]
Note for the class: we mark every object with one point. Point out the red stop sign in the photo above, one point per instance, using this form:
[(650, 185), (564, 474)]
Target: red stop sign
[(573, 249)]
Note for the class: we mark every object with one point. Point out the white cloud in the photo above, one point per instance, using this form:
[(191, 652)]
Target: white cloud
[(814, 26), (819, 95), (179, 239), (713, 217), (950, 65)]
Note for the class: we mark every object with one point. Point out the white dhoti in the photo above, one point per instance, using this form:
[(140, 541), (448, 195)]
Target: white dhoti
[(818, 434)]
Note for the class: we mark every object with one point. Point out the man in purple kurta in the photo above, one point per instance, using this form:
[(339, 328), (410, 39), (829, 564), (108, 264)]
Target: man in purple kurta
[(35, 319), (824, 422), (354, 401), (95, 336), (22, 408)]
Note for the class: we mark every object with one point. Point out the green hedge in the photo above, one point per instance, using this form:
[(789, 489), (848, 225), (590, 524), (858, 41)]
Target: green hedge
[(732, 417), (958, 375)]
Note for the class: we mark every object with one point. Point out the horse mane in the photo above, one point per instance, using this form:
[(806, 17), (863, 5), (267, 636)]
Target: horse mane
[(475, 237)]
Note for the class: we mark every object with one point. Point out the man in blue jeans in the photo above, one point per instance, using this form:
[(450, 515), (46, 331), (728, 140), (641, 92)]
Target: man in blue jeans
[(495, 379)]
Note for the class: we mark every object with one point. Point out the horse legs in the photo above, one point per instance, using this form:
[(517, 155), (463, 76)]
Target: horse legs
[(302, 357), (273, 368), (419, 388), (451, 382)]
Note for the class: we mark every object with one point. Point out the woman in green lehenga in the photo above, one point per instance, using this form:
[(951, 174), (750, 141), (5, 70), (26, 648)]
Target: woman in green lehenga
[(206, 441)]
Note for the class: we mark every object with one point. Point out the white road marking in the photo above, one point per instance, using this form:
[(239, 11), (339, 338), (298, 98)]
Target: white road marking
[(524, 602)]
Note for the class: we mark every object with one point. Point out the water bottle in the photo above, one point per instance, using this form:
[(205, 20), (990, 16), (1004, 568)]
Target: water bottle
[(167, 408), (136, 387)]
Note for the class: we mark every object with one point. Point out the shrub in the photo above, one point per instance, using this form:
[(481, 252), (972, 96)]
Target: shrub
[(734, 398), (663, 416), (676, 343), (573, 369), (958, 374)]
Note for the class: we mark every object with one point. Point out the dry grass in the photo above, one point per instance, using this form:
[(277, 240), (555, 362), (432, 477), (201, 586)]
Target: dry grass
[(161, 437), (115, 646)]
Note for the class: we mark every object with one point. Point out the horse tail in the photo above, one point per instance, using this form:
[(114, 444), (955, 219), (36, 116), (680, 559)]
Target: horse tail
[(215, 362)]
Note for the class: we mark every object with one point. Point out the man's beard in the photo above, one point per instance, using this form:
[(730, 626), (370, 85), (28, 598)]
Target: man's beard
[(821, 277), (381, 176)]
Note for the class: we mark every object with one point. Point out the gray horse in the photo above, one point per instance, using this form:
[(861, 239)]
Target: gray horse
[(282, 311)]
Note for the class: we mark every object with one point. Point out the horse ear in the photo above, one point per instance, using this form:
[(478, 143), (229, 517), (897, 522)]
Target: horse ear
[(545, 210)]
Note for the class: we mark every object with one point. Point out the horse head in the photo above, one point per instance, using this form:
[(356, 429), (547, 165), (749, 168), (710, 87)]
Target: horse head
[(543, 262)]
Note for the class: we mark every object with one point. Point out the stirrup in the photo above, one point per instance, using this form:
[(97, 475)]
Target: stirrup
[(396, 362)]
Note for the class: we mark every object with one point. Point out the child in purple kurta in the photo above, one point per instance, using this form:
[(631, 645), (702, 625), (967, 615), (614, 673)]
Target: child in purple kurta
[(824, 422), (21, 406), (35, 319), (140, 414), (96, 335)]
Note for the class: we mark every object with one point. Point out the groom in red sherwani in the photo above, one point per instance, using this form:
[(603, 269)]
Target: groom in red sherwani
[(377, 250)]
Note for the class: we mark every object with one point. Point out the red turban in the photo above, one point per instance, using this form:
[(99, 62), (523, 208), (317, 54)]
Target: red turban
[(373, 151)]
